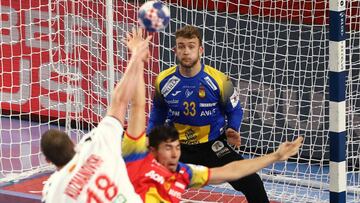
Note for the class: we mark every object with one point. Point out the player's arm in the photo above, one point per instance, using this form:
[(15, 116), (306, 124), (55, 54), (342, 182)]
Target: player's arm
[(134, 141), (159, 109), (123, 92), (125, 89), (233, 111), (239, 169), (136, 122)]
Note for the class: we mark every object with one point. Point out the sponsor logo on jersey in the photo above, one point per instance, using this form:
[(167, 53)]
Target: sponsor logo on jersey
[(221, 130), (208, 112), (174, 113), (210, 82), (234, 99), (173, 101), (188, 93), (180, 185), (190, 134), (207, 104), (175, 93), (153, 175), (202, 92), (167, 185), (120, 198), (191, 137), (188, 86), (175, 193), (169, 85)]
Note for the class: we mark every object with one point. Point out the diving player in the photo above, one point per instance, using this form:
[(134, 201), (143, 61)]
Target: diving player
[(155, 171)]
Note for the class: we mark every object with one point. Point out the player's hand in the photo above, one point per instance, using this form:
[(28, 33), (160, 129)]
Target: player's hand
[(288, 149), (137, 45), (233, 137)]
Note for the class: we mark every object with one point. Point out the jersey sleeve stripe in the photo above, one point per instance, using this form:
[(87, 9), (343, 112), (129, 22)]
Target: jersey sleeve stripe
[(133, 149), (163, 75), (135, 138), (218, 76), (110, 116), (208, 178), (134, 157)]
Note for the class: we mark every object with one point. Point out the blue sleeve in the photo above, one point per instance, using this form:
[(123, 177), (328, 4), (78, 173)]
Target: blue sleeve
[(232, 106), (158, 112)]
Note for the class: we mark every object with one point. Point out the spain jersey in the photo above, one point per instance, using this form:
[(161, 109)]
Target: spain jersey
[(152, 181), (97, 172), (199, 107)]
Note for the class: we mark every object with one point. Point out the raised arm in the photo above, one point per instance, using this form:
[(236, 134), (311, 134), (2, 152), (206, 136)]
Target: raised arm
[(239, 169), (233, 111), (136, 122), (125, 89)]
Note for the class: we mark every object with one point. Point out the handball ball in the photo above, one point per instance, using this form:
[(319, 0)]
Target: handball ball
[(154, 16)]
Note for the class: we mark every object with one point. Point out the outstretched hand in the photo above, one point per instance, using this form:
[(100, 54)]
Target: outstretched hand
[(137, 44), (233, 137), (288, 149)]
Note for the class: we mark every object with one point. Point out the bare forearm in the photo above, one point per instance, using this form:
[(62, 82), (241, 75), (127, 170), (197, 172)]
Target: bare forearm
[(239, 169), (124, 90), (136, 123), (138, 98)]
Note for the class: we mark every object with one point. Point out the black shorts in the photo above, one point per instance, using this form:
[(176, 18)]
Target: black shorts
[(211, 154)]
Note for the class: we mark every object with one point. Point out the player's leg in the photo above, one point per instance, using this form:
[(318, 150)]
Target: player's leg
[(251, 186)]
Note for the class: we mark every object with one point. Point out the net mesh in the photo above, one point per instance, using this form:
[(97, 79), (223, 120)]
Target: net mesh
[(54, 73)]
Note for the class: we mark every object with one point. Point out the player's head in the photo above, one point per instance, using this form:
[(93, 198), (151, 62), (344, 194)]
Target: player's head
[(188, 46), (57, 147), (165, 146)]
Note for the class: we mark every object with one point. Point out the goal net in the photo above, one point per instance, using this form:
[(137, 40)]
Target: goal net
[(57, 62), (277, 54)]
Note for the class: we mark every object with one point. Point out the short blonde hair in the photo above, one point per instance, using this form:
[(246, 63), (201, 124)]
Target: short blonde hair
[(189, 32)]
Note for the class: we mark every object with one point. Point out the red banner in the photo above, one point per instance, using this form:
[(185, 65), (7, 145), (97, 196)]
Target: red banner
[(54, 52), (291, 11)]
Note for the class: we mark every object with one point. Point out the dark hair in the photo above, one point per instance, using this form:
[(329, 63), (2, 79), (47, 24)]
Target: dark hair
[(189, 32), (57, 147), (161, 134)]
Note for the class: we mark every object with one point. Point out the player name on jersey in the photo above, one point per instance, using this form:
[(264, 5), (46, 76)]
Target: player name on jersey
[(82, 177)]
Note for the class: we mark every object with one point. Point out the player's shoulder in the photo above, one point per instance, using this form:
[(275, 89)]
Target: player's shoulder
[(50, 185), (109, 123), (50, 179), (57, 176), (111, 120), (215, 74), (191, 169), (166, 73)]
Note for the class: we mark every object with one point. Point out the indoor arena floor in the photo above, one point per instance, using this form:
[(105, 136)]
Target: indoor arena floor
[(21, 144)]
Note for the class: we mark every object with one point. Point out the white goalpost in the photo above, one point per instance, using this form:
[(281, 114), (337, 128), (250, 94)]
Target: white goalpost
[(60, 58)]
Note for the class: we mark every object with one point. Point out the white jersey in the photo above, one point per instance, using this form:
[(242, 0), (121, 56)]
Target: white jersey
[(97, 173)]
